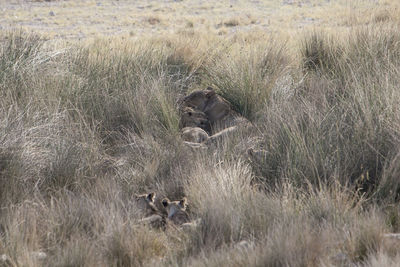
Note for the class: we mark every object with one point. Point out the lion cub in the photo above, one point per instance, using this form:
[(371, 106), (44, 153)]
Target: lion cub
[(197, 99), (194, 118), (145, 203), (216, 109), (151, 215), (176, 210), (194, 135), (195, 127)]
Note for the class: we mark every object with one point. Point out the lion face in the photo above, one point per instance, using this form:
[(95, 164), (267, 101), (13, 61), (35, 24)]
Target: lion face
[(176, 210), (214, 106), (194, 118), (145, 203), (196, 100)]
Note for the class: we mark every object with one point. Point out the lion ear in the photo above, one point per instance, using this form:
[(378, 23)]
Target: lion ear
[(151, 196), (165, 202), (183, 202), (210, 92)]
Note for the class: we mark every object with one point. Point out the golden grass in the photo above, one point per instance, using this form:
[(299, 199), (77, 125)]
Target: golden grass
[(91, 19), (85, 125)]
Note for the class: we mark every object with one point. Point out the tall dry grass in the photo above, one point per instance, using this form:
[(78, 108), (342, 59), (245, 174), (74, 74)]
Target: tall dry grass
[(84, 127)]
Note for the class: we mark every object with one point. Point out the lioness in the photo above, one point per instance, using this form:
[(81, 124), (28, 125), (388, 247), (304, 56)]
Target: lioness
[(176, 210), (217, 110), (196, 99), (191, 117), (152, 216), (145, 203), (194, 135)]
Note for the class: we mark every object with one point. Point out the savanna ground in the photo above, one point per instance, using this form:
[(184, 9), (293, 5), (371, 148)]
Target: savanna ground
[(88, 117)]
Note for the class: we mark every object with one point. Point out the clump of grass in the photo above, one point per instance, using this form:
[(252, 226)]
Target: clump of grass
[(382, 259), (392, 213), (365, 239), (337, 125), (41, 154), (134, 247), (149, 76), (152, 20), (19, 53), (189, 24), (233, 22), (229, 208), (246, 78), (382, 16), (299, 233), (321, 53), (77, 252)]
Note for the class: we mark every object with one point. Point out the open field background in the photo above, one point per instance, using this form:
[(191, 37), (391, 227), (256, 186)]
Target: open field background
[(88, 117), (135, 19)]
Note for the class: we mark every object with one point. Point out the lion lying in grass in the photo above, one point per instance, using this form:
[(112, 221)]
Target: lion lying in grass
[(176, 212), (190, 117), (194, 135), (178, 215), (151, 215), (206, 116)]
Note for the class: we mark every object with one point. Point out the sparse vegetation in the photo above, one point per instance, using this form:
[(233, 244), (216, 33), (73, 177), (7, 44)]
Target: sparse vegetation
[(85, 126)]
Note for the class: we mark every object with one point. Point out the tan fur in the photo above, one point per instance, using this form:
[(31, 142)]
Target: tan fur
[(220, 114), (197, 100), (193, 225), (194, 135), (222, 133), (151, 215), (195, 146), (191, 117), (176, 211), (217, 110), (145, 203)]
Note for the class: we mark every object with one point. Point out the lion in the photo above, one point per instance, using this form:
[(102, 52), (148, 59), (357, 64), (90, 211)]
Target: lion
[(151, 215), (145, 203), (216, 109), (220, 113), (197, 99), (194, 135), (176, 211), (191, 117)]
